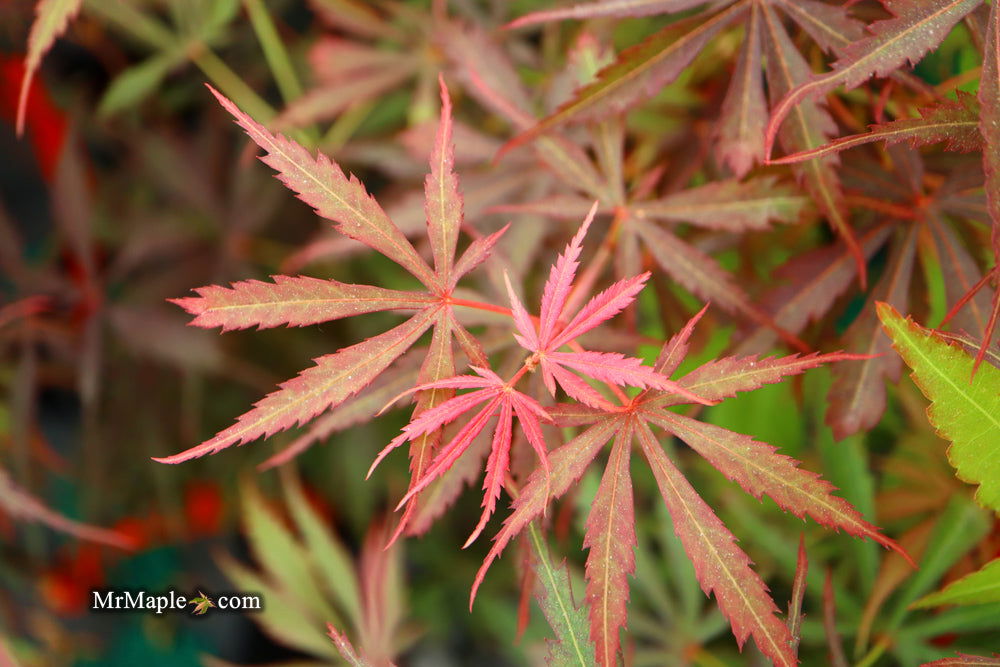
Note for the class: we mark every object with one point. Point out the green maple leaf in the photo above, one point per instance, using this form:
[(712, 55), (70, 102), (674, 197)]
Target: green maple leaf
[(202, 603), (980, 587), (964, 411)]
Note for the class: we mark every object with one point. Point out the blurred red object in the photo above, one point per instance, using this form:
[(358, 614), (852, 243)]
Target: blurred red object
[(138, 533), (203, 508), (45, 124), (66, 586)]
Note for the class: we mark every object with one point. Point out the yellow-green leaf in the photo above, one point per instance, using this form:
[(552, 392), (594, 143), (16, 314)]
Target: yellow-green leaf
[(964, 409), (979, 587), (51, 19)]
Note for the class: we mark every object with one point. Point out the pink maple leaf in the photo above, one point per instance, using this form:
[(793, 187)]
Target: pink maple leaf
[(557, 330), (492, 396)]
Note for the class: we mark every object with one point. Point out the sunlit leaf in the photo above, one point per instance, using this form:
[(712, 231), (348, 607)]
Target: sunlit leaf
[(980, 587), (964, 411)]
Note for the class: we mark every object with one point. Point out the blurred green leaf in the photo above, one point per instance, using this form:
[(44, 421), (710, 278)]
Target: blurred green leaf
[(958, 619), (331, 558), (285, 561), (569, 622), (139, 81), (51, 19), (979, 587), (846, 465), (281, 617), (959, 528)]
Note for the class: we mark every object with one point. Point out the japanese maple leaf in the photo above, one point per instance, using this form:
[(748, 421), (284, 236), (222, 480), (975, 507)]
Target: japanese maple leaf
[(51, 20), (745, 137), (494, 394), (641, 70), (298, 301), (913, 29), (721, 566), (644, 222), (202, 603), (554, 332), (922, 232), (989, 127), (969, 123), (953, 123), (349, 70)]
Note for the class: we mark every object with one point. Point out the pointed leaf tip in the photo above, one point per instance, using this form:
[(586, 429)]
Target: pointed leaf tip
[(528, 337), (443, 199), (329, 382), (51, 19), (560, 281), (322, 184), (720, 565), (913, 29)]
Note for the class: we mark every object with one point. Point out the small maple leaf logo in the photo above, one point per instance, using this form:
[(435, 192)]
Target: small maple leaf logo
[(202, 603)]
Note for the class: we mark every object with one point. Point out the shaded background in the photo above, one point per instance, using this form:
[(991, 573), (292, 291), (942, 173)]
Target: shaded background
[(131, 187)]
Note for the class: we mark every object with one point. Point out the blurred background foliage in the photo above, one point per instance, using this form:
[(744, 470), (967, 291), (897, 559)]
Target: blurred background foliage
[(131, 187)]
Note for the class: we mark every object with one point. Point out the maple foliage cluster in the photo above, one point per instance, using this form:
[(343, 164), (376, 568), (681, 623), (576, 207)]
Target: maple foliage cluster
[(724, 568), (773, 169)]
